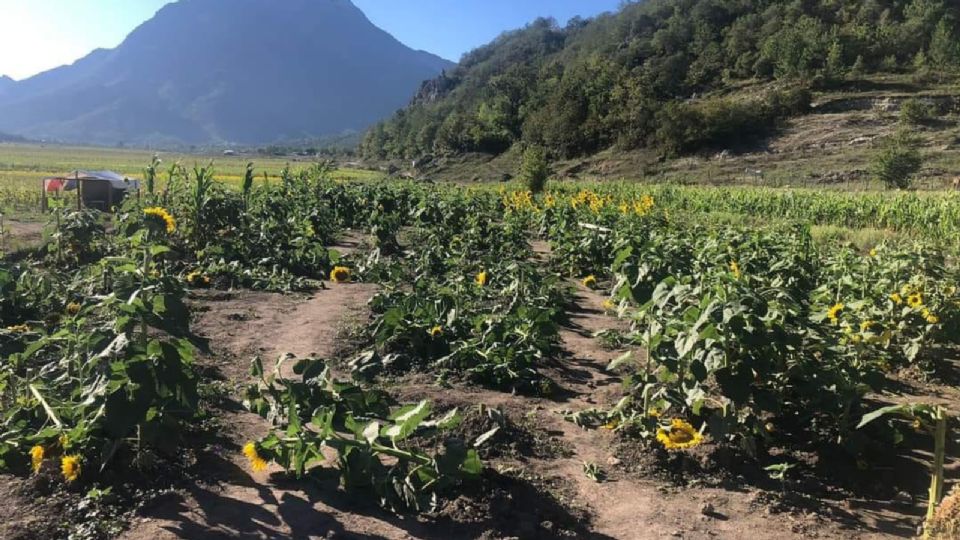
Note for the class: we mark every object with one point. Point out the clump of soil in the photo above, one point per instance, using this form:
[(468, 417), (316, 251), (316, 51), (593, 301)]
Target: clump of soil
[(518, 506), (505, 438), (81, 511)]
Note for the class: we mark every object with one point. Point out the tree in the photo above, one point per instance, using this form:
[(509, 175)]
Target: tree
[(898, 161), (534, 169), (944, 50), (835, 66), (915, 112)]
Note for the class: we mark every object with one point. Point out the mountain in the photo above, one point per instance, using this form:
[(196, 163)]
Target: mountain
[(673, 76), (225, 71), (6, 83)]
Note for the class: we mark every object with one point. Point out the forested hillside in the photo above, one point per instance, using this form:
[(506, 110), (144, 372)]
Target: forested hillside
[(677, 75)]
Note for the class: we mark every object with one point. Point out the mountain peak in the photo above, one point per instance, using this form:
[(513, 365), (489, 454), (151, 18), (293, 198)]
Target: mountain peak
[(225, 71)]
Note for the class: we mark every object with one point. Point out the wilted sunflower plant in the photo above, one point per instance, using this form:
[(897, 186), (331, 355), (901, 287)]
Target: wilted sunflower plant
[(110, 380), (374, 441)]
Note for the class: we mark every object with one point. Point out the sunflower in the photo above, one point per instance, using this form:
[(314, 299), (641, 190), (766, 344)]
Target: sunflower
[(36, 457), (73, 308), (590, 281), (897, 299), (930, 317), (735, 269), (679, 436), (834, 312), (867, 326), (18, 329), (609, 305), (873, 252), (70, 467), (436, 331), (161, 215), (481, 279), (340, 274), (915, 300), (257, 463)]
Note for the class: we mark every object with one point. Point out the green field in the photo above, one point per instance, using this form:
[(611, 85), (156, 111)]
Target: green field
[(23, 166)]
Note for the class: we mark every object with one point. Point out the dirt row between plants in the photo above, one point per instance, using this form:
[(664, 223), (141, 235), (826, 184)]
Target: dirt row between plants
[(547, 495)]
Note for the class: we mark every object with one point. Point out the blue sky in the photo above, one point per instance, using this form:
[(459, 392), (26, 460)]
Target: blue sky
[(450, 28), (36, 35)]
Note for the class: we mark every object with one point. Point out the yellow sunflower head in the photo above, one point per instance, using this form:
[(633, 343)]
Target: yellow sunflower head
[(481, 279), (896, 298), (680, 435), (590, 281), (873, 252), (930, 317), (340, 274), (436, 331), (915, 300), (36, 457), (834, 312), (70, 467), (257, 463), (735, 269), (73, 308), (161, 217)]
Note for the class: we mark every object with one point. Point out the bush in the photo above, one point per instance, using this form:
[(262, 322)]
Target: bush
[(898, 161), (916, 112), (534, 169)]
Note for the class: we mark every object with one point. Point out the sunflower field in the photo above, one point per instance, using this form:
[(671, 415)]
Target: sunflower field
[(742, 335)]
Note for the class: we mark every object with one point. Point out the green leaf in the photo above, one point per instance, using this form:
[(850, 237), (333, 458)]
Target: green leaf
[(407, 420), (372, 432), (483, 438), (892, 409), (472, 464), (620, 360)]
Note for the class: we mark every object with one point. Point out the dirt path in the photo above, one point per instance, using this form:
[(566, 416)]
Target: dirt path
[(236, 503)]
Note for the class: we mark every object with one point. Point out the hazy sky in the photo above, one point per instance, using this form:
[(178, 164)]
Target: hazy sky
[(37, 35)]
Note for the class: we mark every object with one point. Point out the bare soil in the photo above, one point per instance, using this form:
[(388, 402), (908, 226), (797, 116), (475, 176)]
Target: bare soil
[(20, 234)]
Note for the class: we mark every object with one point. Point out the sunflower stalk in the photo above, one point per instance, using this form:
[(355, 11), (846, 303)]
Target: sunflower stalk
[(51, 414), (939, 451)]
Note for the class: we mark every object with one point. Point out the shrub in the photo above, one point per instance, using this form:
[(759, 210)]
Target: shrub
[(534, 169), (898, 161), (915, 112)]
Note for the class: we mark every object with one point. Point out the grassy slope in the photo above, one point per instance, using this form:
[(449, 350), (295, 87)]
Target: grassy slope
[(829, 148)]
